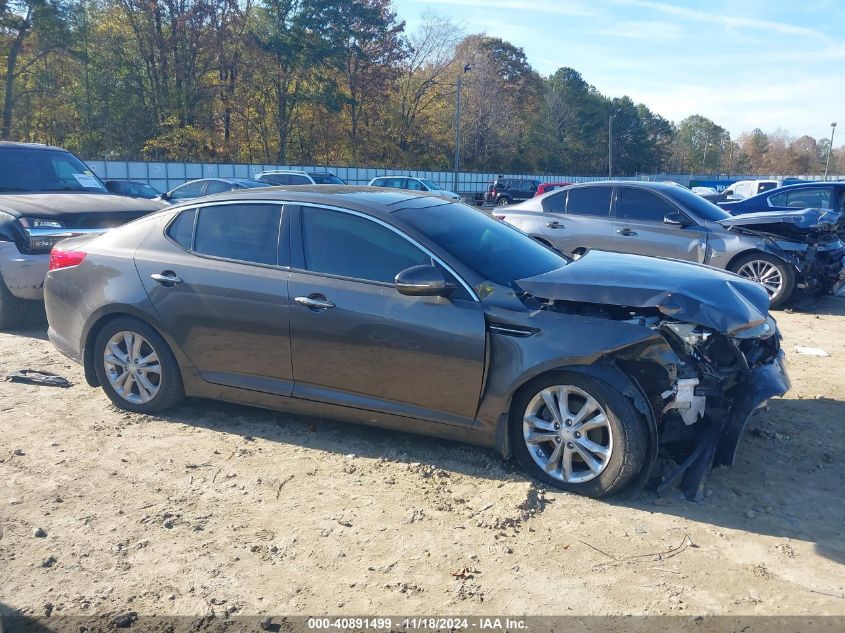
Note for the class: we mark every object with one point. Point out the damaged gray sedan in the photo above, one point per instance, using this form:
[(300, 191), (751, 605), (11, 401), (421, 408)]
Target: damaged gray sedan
[(785, 251), (410, 312)]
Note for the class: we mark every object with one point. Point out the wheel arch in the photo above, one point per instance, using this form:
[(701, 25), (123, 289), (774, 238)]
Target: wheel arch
[(755, 251), (609, 373), (99, 320)]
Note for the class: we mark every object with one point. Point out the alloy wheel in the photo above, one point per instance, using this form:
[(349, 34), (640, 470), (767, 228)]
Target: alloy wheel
[(567, 433), (132, 367), (765, 273)]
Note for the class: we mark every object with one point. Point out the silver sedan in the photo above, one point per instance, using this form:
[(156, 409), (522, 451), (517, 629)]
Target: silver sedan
[(783, 251)]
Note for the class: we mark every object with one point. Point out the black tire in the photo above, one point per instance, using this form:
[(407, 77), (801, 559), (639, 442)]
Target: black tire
[(170, 388), (627, 426), (12, 309), (786, 271), (503, 202)]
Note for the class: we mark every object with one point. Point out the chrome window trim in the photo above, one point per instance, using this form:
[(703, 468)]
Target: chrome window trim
[(390, 227)]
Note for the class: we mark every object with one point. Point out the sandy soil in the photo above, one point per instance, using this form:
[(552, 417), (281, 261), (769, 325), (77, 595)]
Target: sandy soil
[(217, 508)]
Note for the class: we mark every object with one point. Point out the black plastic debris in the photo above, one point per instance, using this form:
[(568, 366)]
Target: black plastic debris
[(38, 377)]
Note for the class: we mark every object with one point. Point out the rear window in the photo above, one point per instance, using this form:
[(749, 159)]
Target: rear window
[(326, 179)]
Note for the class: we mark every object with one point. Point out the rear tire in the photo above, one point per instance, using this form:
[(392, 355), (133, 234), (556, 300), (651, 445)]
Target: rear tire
[(12, 309), (503, 202), (601, 446), (762, 267), (147, 387)]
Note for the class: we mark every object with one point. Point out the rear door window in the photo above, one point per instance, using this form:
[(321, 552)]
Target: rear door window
[(589, 201), (296, 179), (638, 204), (819, 198), (187, 191), (217, 186), (243, 232)]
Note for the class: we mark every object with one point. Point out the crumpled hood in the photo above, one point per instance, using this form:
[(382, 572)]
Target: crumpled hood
[(688, 292), (801, 218), (56, 205)]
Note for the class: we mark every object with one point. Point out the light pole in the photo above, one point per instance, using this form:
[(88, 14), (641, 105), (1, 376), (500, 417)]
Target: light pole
[(467, 68), (829, 149), (610, 142)]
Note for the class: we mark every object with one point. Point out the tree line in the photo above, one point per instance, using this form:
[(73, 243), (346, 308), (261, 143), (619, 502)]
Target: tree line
[(334, 82)]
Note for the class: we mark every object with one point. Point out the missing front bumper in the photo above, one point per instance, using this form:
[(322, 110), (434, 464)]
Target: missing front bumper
[(719, 442)]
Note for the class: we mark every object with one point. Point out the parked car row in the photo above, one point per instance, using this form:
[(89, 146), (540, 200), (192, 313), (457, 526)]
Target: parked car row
[(407, 309)]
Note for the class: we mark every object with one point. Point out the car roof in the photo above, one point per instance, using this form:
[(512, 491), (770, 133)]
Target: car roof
[(16, 145), (396, 176), (640, 184), (373, 201), (802, 185)]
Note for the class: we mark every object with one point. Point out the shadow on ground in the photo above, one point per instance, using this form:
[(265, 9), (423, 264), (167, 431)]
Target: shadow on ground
[(787, 481)]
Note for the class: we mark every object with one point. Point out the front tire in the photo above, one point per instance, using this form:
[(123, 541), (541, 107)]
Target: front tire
[(136, 367), (578, 434), (774, 274)]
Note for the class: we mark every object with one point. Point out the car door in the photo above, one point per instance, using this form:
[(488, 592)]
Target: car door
[(640, 227), (579, 219), (355, 341), (217, 277)]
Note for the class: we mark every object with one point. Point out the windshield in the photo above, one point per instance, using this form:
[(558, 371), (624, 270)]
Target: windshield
[(430, 184), (326, 179), (494, 250), (41, 170), (695, 203)]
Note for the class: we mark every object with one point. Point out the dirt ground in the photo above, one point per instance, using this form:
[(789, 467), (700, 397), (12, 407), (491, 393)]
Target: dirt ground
[(217, 508)]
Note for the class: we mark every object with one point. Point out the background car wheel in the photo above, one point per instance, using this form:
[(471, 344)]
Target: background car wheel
[(503, 202), (773, 273), (578, 434), (136, 368), (12, 309)]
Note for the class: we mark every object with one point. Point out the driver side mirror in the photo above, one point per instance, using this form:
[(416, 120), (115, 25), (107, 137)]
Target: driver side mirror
[(165, 196), (423, 281), (729, 192), (676, 218)]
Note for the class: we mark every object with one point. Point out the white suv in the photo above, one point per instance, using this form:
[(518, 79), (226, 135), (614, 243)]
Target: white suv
[(746, 188), (290, 177), (414, 184)]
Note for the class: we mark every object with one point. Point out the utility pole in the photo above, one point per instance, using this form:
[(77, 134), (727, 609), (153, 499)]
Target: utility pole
[(829, 149), (467, 68), (610, 142)]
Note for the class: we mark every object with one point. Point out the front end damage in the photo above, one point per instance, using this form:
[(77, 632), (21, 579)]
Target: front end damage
[(808, 239), (715, 361)]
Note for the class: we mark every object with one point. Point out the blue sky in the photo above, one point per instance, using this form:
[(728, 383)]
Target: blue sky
[(743, 63)]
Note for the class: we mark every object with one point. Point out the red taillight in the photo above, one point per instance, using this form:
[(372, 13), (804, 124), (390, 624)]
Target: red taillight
[(65, 259)]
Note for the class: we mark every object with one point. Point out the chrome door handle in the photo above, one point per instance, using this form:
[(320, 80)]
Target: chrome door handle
[(554, 225), (166, 278), (314, 303), (627, 232)]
